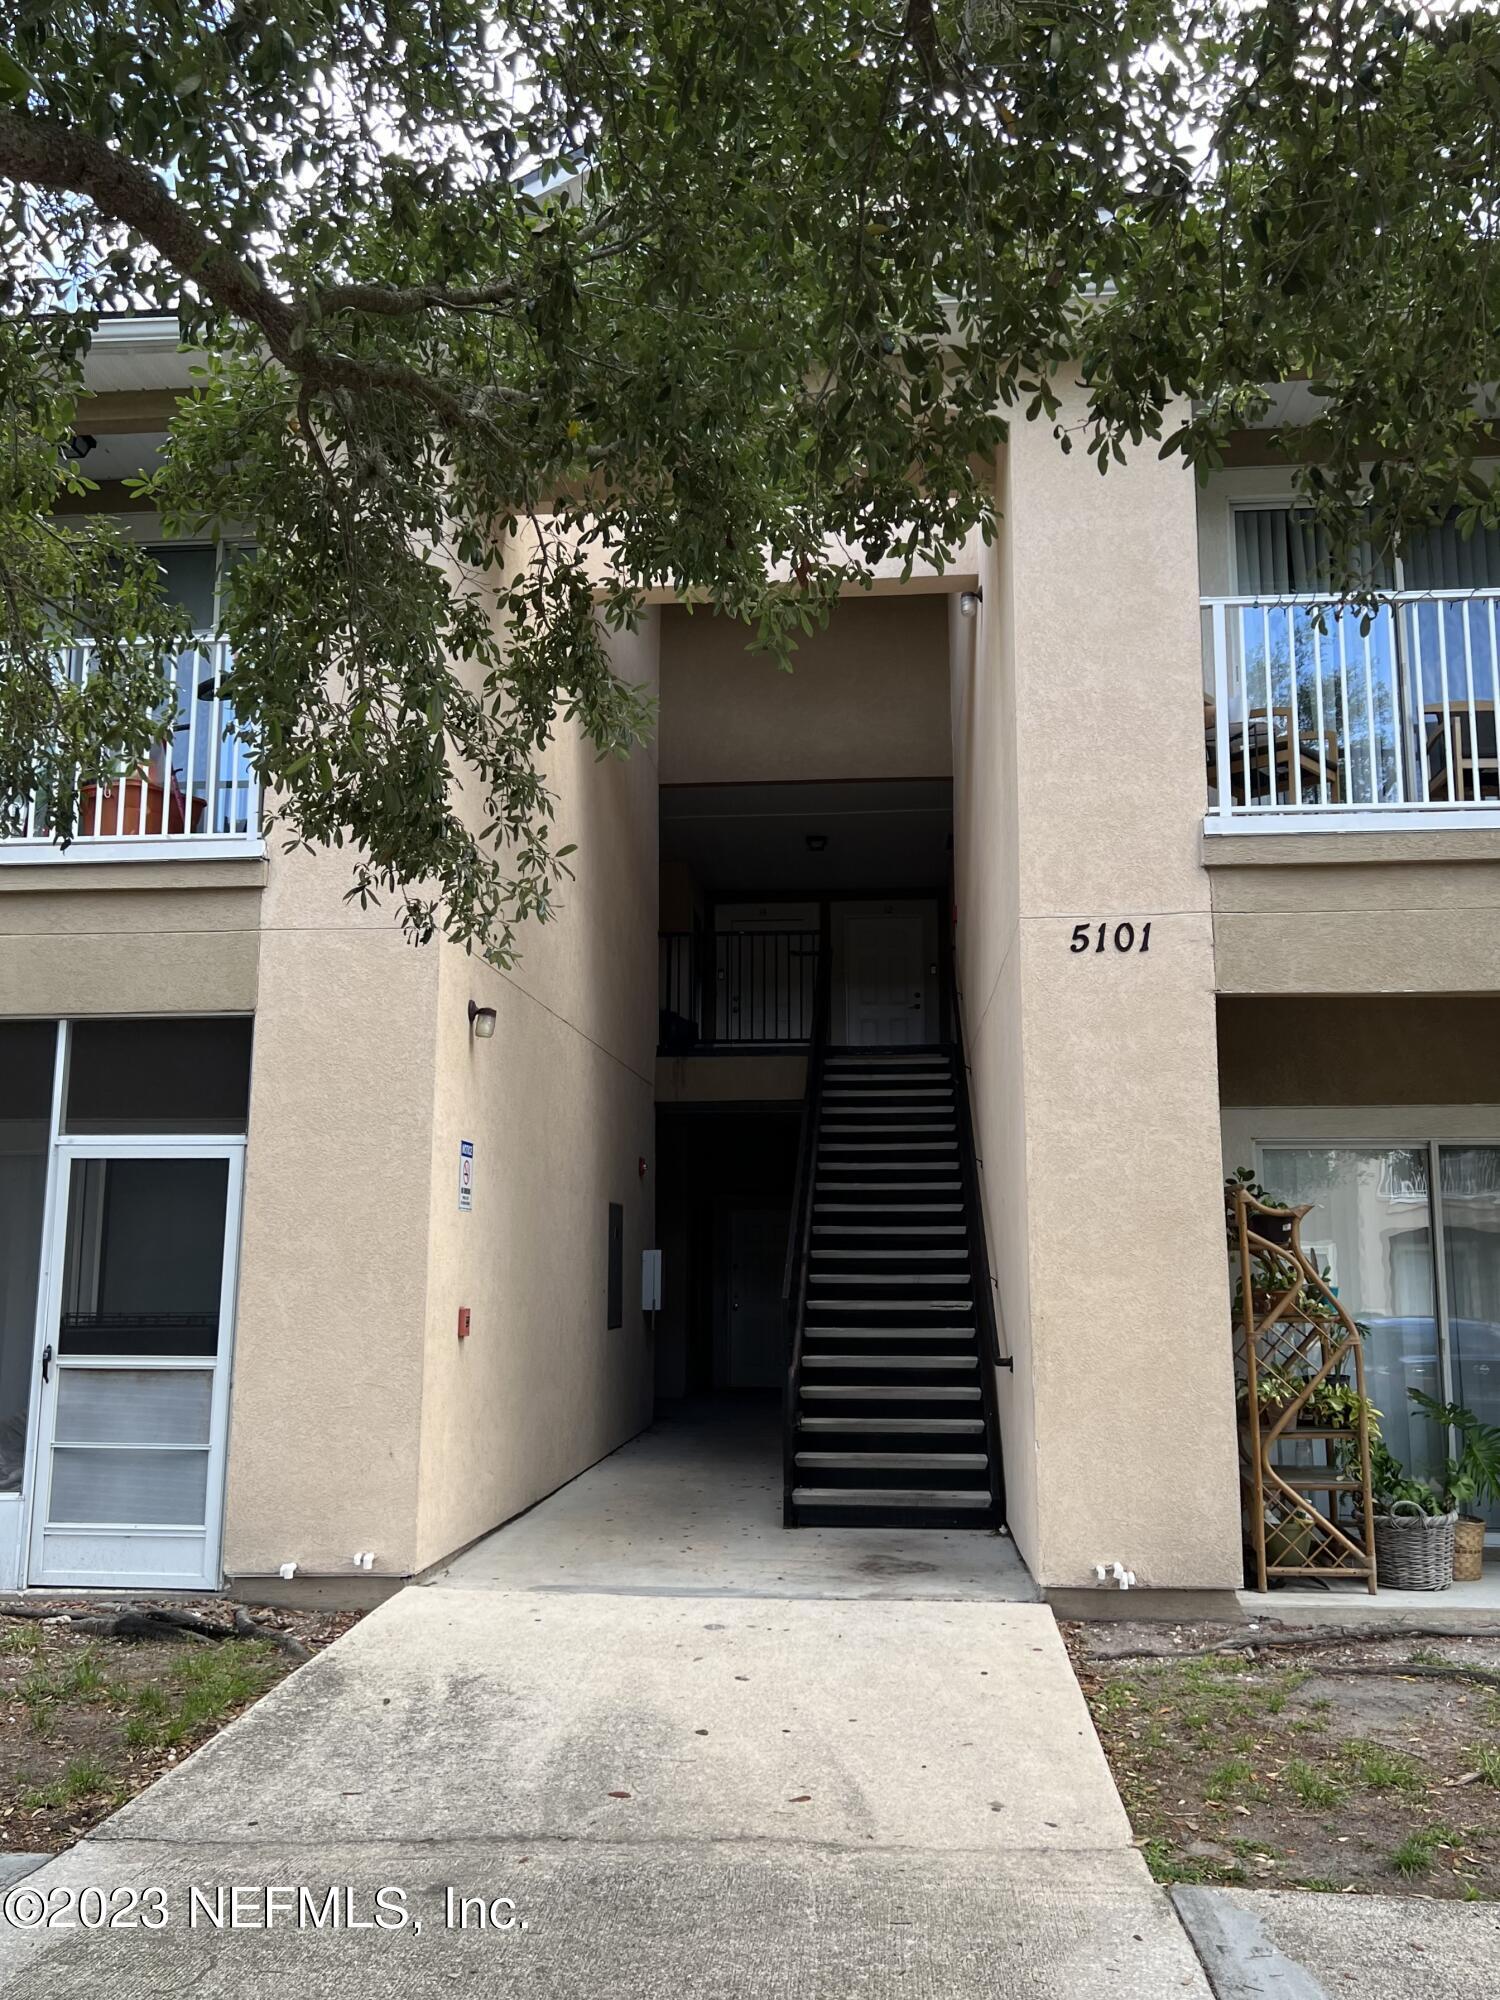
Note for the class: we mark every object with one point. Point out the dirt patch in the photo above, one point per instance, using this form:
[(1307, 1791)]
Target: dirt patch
[(1362, 1765), (86, 1722)]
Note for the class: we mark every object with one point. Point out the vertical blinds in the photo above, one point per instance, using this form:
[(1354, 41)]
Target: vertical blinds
[(1279, 551)]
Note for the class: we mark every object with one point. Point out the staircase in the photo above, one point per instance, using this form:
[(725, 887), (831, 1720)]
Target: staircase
[(890, 1419)]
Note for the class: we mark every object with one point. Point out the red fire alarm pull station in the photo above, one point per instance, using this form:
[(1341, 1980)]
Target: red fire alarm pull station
[(463, 1322)]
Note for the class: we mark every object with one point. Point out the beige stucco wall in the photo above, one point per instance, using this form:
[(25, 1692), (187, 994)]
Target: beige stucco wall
[(131, 939), (730, 1079), (559, 1107), (327, 1364), (1079, 789), (1356, 912), (866, 698), (356, 1421)]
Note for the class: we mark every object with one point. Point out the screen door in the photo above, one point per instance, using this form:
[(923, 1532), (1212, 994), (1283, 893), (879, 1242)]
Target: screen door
[(135, 1365)]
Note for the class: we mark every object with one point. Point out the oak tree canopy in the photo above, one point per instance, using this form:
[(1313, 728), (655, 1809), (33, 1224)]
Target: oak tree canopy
[(507, 313)]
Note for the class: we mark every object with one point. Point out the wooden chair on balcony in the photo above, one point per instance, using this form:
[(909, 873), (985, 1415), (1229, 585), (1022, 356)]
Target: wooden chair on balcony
[(1464, 762), (1268, 753)]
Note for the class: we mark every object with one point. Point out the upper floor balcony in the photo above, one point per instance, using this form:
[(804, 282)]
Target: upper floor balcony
[(1322, 715), (197, 794)]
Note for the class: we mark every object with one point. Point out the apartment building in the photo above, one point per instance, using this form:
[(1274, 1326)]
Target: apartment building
[(912, 1005)]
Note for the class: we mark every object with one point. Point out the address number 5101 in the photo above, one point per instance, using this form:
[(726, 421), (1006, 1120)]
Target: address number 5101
[(1124, 937)]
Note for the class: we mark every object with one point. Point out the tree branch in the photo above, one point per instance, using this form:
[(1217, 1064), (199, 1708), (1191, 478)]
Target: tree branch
[(44, 154)]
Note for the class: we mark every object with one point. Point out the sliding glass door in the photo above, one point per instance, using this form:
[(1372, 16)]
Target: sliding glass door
[(1422, 1274), (1469, 1178), (1371, 1230)]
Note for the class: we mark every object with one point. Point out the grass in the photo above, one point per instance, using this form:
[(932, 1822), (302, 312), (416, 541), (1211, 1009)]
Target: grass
[(1487, 1763), (81, 1678), (85, 1778), (1381, 1770), (1167, 1865), (1312, 1786), (1415, 1854), (200, 1689), (1229, 1779)]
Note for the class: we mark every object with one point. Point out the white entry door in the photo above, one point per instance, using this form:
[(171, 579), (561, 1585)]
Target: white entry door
[(885, 984), (137, 1329)]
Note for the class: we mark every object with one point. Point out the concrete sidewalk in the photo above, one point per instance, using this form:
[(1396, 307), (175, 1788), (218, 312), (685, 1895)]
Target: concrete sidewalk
[(1260, 1944), (682, 1796)]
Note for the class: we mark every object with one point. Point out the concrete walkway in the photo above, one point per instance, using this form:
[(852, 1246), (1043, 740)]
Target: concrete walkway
[(694, 1505), (683, 1796), (692, 1755), (700, 1755)]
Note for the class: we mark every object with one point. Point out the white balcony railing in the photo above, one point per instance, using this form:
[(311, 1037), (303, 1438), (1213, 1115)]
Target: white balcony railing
[(1320, 715), (198, 792)]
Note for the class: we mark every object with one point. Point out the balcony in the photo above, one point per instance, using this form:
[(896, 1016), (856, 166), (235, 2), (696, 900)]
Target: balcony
[(729, 991), (1329, 717), (198, 795)]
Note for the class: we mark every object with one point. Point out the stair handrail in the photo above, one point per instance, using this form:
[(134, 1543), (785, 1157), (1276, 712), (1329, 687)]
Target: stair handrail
[(979, 1251), (799, 1230)]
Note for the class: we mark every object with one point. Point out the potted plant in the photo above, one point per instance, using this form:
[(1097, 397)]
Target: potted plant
[(1469, 1482), (1413, 1527), (1275, 1228)]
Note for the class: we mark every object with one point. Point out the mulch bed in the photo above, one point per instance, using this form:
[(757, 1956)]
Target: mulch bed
[(89, 1717), (1355, 1763)]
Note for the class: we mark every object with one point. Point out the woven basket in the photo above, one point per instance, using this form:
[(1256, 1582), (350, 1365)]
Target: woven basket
[(1468, 1551), (1413, 1550)]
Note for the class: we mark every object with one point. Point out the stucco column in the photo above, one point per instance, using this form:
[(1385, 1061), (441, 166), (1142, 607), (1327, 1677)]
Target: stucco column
[(1080, 806)]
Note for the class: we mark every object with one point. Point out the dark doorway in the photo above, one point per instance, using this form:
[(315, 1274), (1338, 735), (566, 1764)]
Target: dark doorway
[(724, 1197)]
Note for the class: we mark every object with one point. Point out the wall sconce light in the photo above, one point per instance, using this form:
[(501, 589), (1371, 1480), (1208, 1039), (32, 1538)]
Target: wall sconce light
[(969, 602), (816, 842), (481, 1022)]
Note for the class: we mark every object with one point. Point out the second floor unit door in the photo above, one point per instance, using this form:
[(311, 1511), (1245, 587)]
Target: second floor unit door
[(885, 980)]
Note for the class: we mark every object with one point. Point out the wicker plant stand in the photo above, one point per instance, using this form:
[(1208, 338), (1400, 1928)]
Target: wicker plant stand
[(1290, 1326), (1415, 1550)]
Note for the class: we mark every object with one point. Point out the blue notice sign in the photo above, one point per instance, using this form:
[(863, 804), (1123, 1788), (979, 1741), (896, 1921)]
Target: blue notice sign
[(466, 1173)]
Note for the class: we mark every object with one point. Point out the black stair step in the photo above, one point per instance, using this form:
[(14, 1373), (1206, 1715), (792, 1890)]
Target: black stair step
[(889, 1496), (943, 1331), (887, 1228), (883, 1363), (869, 1097), (873, 1427), (829, 1127), (895, 1461), (889, 1392), (912, 1254), (890, 1208)]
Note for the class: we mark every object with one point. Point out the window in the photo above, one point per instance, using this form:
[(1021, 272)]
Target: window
[(1372, 1205), (1422, 1275), (159, 1076)]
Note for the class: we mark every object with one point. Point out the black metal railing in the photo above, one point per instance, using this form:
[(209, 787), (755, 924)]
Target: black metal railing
[(799, 1235), (736, 989), (985, 1288)]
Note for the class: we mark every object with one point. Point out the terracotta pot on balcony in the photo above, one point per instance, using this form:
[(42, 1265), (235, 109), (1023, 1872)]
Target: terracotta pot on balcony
[(134, 806)]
